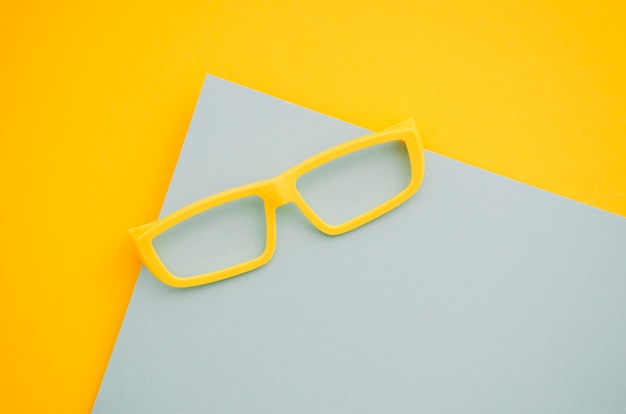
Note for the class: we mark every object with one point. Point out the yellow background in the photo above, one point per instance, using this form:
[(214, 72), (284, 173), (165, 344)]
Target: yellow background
[(96, 98)]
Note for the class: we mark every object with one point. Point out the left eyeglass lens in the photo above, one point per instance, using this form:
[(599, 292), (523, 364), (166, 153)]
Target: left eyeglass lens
[(221, 237), (357, 182)]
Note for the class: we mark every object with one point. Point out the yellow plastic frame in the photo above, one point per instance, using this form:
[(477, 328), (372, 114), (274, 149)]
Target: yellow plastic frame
[(276, 192)]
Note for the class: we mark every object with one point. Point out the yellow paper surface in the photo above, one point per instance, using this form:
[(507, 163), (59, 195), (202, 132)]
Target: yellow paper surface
[(96, 98)]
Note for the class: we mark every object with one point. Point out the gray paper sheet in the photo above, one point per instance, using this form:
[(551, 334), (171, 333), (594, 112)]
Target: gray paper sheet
[(478, 295)]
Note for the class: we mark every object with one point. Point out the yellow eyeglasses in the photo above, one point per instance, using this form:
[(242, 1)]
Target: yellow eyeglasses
[(176, 234)]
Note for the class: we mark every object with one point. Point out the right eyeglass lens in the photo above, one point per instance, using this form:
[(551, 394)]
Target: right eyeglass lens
[(356, 183), (221, 237)]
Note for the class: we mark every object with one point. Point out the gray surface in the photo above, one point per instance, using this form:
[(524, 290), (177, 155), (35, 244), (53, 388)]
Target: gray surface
[(478, 295)]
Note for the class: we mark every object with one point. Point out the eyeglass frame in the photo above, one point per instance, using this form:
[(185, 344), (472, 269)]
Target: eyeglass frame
[(276, 192)]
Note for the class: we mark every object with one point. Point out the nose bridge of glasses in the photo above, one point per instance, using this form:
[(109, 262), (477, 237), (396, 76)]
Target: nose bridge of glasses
[(280, 189)]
